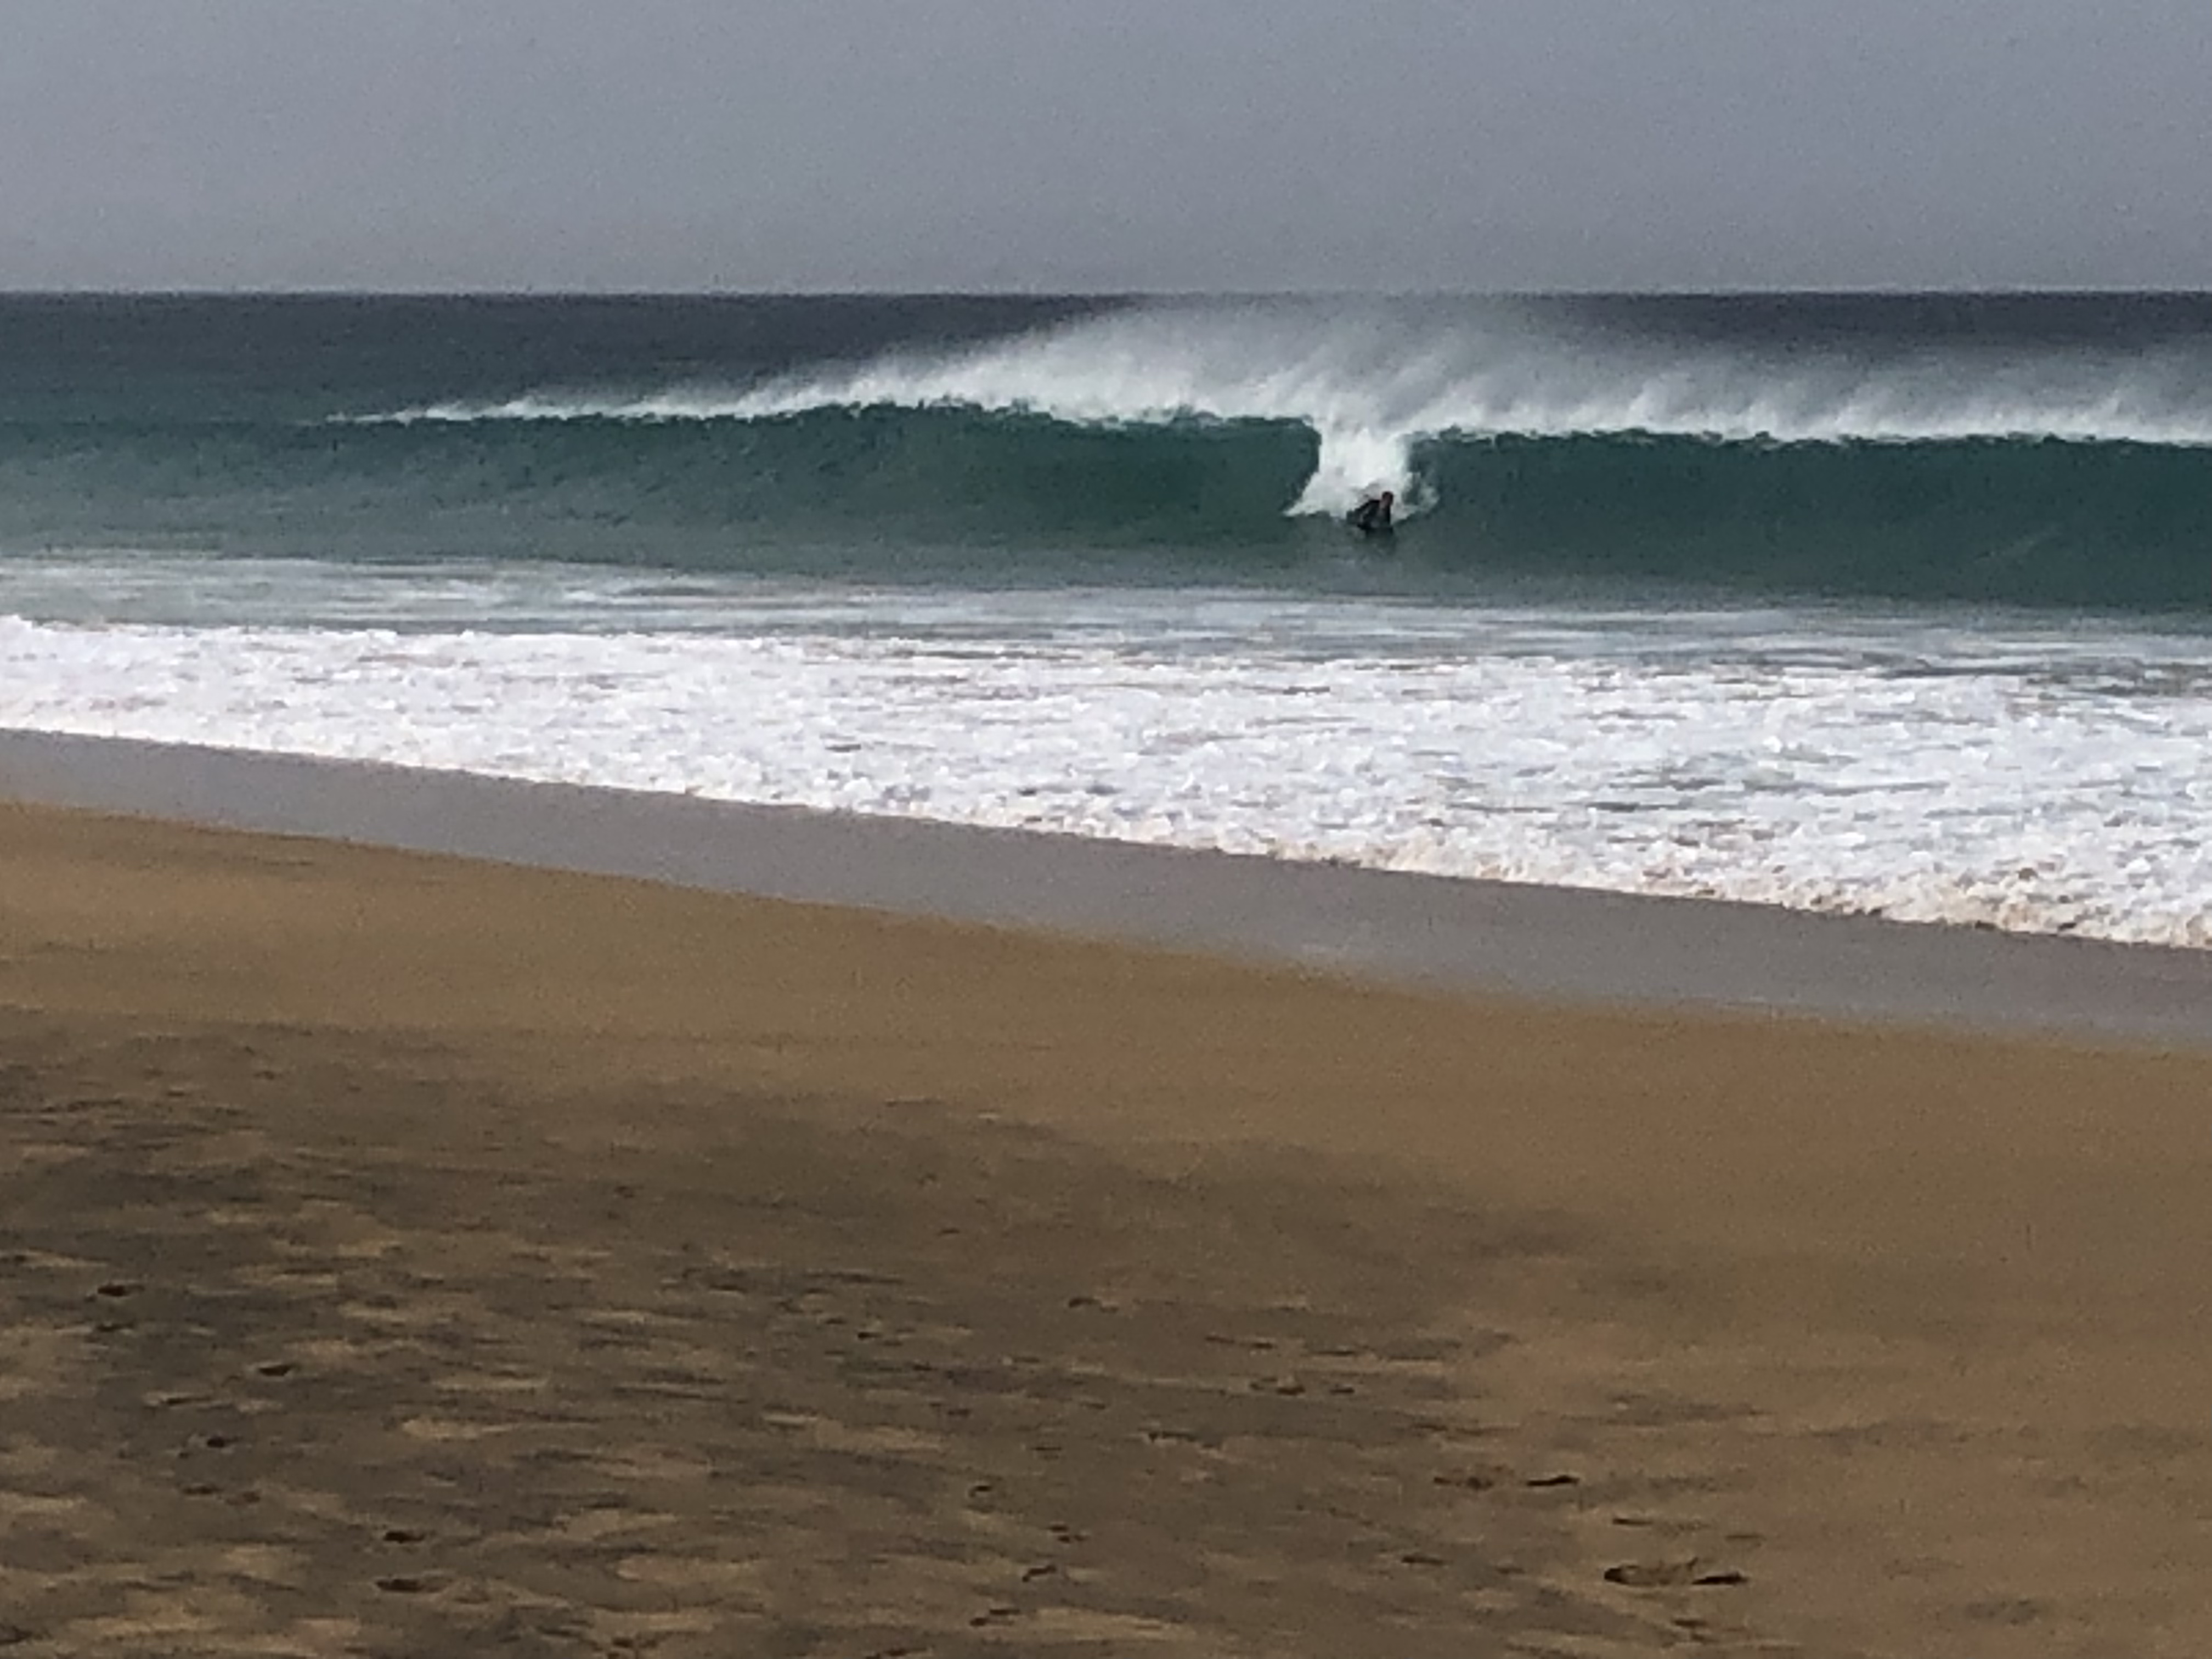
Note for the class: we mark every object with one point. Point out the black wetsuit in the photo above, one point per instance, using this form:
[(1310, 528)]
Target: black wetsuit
[(1371, 517)]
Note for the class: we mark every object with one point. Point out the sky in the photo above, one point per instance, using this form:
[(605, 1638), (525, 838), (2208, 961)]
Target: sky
[(1105, 145)]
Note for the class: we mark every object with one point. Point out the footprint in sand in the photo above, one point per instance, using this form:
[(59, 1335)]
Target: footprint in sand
[(1672, 1575), (167, 1400), (410, 1584), (1469, 1482)]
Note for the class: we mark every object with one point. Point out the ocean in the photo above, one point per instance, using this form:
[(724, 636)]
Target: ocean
[(1890, 604)]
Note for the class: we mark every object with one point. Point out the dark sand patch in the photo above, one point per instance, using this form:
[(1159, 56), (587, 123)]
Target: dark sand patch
[(858, 1381)]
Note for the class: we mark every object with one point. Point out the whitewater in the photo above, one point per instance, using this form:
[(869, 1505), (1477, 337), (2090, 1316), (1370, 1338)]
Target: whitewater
[(2009, 777)]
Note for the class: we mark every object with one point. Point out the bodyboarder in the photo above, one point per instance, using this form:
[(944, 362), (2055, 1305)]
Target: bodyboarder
[(1372, 516)]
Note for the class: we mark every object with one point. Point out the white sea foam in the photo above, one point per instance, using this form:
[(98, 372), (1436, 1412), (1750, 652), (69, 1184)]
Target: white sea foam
[(1374, 384), (2006, 776)]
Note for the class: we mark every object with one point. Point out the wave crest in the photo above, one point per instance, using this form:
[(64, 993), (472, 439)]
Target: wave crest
[(1373, 384)]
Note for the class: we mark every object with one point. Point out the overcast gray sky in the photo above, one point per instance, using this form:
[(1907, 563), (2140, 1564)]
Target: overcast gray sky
[(1248, 144)]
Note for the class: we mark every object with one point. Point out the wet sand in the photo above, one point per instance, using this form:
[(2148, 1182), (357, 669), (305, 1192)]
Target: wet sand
[(407, 1255), (1381, 926)]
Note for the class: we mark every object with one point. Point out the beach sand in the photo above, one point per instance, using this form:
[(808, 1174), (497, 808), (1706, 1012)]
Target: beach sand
[(409, 1256)]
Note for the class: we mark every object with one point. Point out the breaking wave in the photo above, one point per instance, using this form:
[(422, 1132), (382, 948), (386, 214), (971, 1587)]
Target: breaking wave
[(2031, 452), (1374, 387)]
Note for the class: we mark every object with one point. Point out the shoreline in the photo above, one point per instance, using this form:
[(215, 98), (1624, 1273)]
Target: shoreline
[(1385, 928)]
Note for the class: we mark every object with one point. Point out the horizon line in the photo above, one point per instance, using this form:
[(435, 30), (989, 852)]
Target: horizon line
[(1101, 295)]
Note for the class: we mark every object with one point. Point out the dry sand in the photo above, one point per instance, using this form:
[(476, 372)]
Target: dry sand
[(403, 1256)]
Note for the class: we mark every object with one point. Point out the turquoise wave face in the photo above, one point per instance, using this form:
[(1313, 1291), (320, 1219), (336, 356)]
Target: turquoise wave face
[(2012, 521)]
